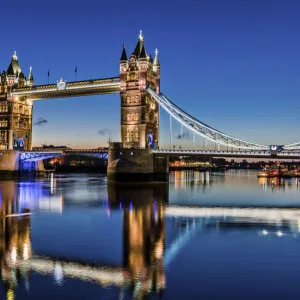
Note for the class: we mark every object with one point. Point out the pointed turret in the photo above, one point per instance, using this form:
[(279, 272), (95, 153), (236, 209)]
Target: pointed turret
[(124, 55), (30, 80), (14, 65), (22, 79), (10, 70), (150, 59), (143, 53), (156, 70), (156, 60)]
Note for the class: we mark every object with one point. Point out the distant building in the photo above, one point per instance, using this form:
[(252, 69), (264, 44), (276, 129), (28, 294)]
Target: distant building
[(51, 148)]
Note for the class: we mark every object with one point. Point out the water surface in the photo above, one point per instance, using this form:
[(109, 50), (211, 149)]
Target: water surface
[(221, 235)]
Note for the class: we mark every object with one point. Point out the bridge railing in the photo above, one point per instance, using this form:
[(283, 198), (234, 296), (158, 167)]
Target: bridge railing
[(91, 82), (201, 128)]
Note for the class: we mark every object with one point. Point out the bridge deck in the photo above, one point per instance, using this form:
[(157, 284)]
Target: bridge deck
[(45, 154), (236, 154)]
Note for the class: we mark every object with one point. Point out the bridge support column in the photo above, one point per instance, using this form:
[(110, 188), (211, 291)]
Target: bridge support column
[(31, 168), (10, 165), (136, 165)]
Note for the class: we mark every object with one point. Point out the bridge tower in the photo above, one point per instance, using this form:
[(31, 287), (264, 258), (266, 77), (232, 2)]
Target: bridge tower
[(139, 111), (15, 113)]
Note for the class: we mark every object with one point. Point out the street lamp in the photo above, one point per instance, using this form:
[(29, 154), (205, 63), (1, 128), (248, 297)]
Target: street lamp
[(106, 131)]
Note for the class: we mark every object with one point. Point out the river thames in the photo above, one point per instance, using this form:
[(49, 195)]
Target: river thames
[(202, 235)]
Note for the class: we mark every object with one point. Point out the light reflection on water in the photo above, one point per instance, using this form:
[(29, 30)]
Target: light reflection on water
[(88, 239)]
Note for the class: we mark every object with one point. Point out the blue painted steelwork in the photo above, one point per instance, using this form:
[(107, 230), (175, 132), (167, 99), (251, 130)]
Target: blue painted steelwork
[(29, 156), (36, 156)]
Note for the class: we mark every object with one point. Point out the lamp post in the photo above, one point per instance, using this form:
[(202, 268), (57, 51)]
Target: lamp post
[(103, 132)]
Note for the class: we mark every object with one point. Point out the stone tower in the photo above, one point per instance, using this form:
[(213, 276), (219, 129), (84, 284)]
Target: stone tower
[(139, 111), (15, 113)]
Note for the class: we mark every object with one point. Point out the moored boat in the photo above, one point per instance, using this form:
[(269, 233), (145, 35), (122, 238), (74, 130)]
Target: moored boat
[(263, 174)]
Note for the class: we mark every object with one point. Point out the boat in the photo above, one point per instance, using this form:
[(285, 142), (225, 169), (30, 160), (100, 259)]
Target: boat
[(263, 174)]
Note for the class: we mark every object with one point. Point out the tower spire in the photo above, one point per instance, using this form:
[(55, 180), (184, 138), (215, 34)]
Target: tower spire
[(156, 60), (15, 57), (141, 38), (30, 77), (124, 55)]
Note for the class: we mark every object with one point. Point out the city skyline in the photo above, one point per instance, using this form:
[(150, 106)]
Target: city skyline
[(233, 73)]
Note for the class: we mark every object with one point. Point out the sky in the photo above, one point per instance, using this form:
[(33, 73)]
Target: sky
[(232, 64)]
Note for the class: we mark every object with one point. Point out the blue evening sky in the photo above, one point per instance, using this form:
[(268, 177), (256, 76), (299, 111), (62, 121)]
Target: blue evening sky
[(233, 64)]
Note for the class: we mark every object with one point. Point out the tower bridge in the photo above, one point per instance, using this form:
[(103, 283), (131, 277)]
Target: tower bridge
[(139, 87)]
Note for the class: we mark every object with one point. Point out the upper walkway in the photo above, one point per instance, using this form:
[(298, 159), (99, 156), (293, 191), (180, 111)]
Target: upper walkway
[(65, 89)]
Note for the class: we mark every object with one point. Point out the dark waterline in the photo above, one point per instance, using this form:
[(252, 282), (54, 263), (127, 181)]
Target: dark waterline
[(220, 235)]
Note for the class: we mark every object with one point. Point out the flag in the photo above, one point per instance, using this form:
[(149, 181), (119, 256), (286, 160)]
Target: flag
[(76, 70), (48, 73)]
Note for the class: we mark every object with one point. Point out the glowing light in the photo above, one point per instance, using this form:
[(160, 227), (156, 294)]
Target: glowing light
[(58, 273), (265, 232), (274, 214), (141, 38), (14, 254), (10, 294), (159, 250), (15, 57), (25, 252), (279, 233)]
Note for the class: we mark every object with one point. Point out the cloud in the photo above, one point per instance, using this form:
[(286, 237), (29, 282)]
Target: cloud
[(104, 131), (183, 136), (40, 122)]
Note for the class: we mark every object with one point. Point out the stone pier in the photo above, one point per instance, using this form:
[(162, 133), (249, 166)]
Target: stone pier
[(136, 165), (10, 166)]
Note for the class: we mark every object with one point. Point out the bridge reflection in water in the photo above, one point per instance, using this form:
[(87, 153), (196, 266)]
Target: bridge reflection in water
[(147, 249), (142, 270)]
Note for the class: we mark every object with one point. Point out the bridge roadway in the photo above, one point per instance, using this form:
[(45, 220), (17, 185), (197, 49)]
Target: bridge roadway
[(45, 154), (103, 153), (227, 153)]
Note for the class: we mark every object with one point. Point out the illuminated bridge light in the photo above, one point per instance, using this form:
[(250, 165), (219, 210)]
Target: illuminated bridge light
[(271, 214), (279, 233), (104, 276)]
